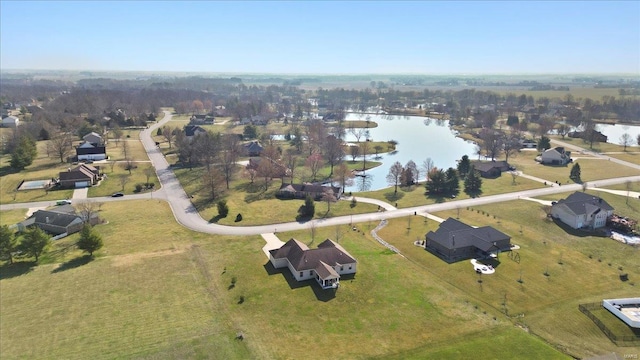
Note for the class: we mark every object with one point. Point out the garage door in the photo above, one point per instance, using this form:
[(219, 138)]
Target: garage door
[(82, 184)]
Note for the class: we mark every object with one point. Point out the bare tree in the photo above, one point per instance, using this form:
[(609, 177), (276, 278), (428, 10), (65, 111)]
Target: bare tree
[(395, 172), (168, 134), (333, 151), (625, 140), (511, 145), (491, 142), (427, 166), (88, 210), (343, 175), (291, 161), (212, 180), (354, 151), (357, 132), (125, 149), (116, 133), (124, 179), (314, 163), (329, 197), (149, 172), (61, 144), (514, 176), (563, 130)]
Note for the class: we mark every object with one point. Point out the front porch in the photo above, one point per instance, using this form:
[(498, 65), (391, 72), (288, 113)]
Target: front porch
[(327, 277)]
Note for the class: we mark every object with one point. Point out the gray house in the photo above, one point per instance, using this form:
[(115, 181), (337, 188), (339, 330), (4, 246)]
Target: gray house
[(56, 221), (455, 241), (581, 210)]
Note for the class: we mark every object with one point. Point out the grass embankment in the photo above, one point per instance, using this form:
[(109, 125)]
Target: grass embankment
[(10, 217), (581, 269), (165, 292)]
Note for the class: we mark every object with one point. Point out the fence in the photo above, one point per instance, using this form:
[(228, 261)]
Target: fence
[(374, 233), (619, 340)]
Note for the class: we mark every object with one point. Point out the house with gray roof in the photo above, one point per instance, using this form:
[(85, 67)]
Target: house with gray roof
[(556, 156), (325, 264), (252, 148), (93, 138), (10, 122), (300, 191), (57, 221), (581, 210), (82, 176), (455, 241), (491, 169)]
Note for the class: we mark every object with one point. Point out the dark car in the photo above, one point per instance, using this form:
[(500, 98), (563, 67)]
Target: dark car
[(118, 194)]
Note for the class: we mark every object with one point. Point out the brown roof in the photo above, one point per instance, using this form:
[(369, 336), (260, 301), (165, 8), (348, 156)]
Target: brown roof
[(302, 258)]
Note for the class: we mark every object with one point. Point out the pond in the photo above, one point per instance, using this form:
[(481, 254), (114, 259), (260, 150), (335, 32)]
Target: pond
[(614, 132), (418, 138)]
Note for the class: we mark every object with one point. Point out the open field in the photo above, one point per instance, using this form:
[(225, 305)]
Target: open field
[(165, 292), (257, 206), (112, 182), (10, 217), (415, 195), (634, 186), (632, 157), (575, 91), (135, 150), (581, 269)]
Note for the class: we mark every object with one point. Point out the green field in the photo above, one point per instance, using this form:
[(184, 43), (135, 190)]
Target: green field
[(581, 269), (165, 293)]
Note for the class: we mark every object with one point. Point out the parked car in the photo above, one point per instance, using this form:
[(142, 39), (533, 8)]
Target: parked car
[(118, 194), (63, 202)]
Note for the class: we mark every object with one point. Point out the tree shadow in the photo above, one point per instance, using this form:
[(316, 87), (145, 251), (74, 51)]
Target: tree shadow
[(321, 294), (391, 196), (250, 187), (437, 198), (473, 194), (73, 263), (19, 268), (7, 170), (216, 218), (578, 232)]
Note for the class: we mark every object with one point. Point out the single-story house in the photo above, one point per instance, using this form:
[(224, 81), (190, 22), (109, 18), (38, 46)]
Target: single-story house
[(199, 119), (192, 130), (10, 122), (556, 156), (93, 138), (82, 176), (581, 210), (89, 151), (252, 148), (491, 169), (455, 240), (324, 264), (280, 171), (597, 135), (300, 191), (56, 221), (528, 144)]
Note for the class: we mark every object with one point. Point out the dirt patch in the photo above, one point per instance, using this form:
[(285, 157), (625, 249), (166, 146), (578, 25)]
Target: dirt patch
[(132, 259)]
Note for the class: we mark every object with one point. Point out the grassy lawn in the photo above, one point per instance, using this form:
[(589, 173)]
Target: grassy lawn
[(135, 150), (632, 157), (257, 206), (10, 217), (634, 186), (112, 184), (43, 168), (582, 269), (415, 195), (164, 293), (591, 168)]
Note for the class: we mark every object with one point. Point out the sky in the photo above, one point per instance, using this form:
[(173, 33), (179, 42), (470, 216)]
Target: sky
[(323, 37)]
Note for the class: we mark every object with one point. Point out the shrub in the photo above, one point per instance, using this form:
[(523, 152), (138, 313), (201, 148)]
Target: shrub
[(223, 208), (238, 217), (139, 187)]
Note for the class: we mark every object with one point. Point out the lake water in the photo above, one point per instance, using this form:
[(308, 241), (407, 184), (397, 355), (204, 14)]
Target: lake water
[(418, 138), (614, 132)]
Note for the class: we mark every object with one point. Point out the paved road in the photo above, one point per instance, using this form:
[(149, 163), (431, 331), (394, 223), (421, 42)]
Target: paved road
[(186, 214)]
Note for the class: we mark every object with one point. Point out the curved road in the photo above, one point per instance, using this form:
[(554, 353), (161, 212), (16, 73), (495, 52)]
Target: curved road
[(187, 215)]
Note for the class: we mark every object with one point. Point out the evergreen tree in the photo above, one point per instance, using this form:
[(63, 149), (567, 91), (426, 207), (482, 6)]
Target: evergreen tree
[(544, 143), (223, 208), (473, 182), (89, 241), (437, 183), (575, 173), (453, 181), (8, 243), (35, 242), (24, 153), (463, 166), (309, 207)]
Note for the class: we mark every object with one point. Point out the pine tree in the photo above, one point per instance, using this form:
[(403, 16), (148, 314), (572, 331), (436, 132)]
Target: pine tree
[(89, 241), (24, 153), (575, 173), (463, 166), (35, 242), (452, 181), (473, 182), (8, 243)]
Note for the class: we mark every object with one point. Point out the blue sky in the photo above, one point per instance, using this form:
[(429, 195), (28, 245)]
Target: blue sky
[(475, 37)]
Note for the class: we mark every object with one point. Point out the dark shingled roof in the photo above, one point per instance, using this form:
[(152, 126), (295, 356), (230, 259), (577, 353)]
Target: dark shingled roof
[(485, 166), (454, 234), (192, 130), (302, 258), (582, 203)]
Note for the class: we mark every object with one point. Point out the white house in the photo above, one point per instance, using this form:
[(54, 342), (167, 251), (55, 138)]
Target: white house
[(89, 151), (324, 264), (556, 156), (581, 210), (10, 122), (93, 138)]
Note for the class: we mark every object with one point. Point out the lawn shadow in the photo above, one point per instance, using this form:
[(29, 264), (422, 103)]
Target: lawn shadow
[(321, 295), (436, 198), (7, 170), (19, 268), (216, 218), (73, 263), (393, 197)]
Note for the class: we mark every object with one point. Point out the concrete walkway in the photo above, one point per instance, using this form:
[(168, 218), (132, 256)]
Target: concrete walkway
[(273, 242), (382, 204), (542, 181), (80, 194), (632, 194)]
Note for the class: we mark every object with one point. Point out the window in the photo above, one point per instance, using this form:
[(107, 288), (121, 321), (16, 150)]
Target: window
[(310, 272), (341, 268), (301, 274), (350, 267)]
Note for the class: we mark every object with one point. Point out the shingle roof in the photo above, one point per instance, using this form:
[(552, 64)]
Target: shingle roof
[(302, 258), (454, 234), (582, 203), (55, 218), (191, 130)]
